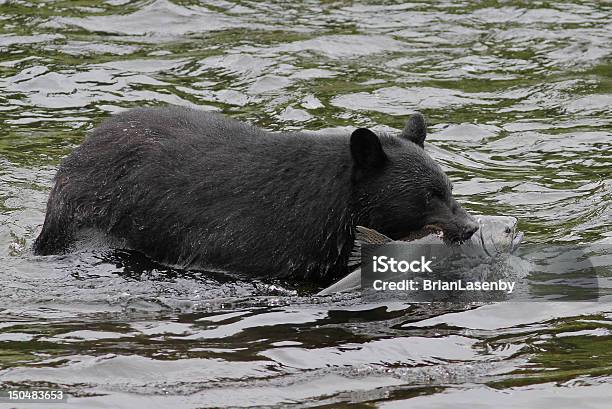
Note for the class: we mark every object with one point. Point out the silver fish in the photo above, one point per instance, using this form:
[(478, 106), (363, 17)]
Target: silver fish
[(496, 235)]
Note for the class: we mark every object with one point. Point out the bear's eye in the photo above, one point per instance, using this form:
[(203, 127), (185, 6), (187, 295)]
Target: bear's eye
[(439, 195)]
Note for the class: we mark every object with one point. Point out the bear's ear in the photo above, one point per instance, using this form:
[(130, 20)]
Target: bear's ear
[(366, 149), (415, 129)]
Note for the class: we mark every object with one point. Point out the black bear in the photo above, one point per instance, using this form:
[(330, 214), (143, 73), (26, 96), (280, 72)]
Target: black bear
[(196, 189)]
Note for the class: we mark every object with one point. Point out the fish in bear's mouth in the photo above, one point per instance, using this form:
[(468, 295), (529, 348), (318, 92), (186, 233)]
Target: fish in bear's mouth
[(449, 233), (423, 232), (495, 231)]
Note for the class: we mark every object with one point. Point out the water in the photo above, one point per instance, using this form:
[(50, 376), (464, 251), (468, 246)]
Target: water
[(519, 95)]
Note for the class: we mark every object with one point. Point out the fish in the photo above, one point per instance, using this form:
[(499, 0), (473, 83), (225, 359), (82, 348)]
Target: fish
[(497, 235)]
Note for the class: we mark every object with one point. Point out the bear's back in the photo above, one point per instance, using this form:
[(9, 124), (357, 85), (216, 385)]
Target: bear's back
[(178, 122)]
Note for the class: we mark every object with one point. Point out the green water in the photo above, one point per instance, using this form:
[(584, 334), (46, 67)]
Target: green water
[(519, 98)]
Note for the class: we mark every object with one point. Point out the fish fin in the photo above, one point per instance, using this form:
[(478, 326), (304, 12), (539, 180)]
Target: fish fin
[(365, 236), (369, 236)]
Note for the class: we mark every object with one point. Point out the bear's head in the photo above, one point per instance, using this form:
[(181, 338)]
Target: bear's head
[(400, 190)]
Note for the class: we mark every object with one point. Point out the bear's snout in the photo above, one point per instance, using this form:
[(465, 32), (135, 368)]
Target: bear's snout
[(469, 229)]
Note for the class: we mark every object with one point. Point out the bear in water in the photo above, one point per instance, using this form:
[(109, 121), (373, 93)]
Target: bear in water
[(199, 190)]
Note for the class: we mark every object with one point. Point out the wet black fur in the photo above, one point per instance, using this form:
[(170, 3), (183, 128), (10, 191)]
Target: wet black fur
[(195, 188)]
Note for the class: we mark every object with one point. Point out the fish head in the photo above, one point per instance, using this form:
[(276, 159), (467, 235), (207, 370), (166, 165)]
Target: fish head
[(497, 234)]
